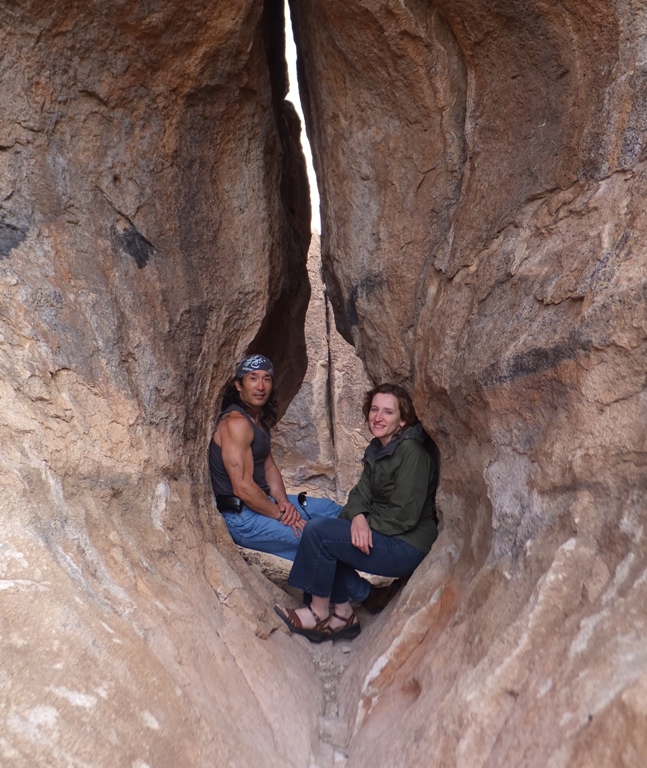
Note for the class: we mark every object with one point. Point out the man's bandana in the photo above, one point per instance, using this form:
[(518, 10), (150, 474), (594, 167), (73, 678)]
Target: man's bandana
[(254, 363)]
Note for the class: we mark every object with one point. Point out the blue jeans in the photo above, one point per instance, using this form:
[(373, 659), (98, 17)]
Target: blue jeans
[(327, 563), (254, 531)]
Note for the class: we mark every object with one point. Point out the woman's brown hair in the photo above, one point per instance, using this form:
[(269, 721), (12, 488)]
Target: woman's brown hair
[(407, 411)]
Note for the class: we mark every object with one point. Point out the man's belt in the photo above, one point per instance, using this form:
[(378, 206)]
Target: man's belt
[(229, 503)]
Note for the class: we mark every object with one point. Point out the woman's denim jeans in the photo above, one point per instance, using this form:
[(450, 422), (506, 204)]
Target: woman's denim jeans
[(326, 563)]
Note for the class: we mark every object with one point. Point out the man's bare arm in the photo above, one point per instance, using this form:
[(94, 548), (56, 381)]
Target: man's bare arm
[(235, 438), (292, 516), (274, 480)]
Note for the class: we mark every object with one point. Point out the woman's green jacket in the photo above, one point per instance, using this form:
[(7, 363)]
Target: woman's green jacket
[(397, 489)]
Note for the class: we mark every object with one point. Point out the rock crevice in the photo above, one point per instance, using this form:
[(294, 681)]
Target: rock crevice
[(482, 177)]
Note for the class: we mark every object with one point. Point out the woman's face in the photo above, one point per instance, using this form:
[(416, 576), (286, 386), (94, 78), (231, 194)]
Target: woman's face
[(384, 417)]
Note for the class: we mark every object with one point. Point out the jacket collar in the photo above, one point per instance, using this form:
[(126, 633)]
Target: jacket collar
[(376, 451)]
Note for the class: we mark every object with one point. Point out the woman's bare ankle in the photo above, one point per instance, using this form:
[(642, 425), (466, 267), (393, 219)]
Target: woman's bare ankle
[(343, 610), (309, 616)]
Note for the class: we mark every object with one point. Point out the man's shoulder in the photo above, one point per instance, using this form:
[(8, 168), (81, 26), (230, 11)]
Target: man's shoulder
[(235, 416), (235, 425)]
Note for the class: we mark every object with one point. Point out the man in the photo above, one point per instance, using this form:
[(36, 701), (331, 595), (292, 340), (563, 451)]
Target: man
[(249, 489)]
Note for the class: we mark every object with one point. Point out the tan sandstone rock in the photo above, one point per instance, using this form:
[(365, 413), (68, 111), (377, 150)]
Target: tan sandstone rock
[(483, 181), (154, 223), (482, 176), (321, 438)]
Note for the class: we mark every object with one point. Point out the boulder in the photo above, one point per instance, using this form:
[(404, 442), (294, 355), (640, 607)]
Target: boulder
[(154, 225), (483, 174)]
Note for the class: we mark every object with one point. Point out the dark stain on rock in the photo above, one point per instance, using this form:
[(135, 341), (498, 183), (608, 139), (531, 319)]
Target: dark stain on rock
[(133, 243), (535, 361), (363, 289), (10, 238)]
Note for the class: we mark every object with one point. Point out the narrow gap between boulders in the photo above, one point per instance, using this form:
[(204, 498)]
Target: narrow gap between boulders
[(330, 660)]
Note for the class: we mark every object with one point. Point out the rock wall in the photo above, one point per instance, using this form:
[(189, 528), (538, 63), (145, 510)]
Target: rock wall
[(483, 180), (320, 440), (154, 224), (482, 171)]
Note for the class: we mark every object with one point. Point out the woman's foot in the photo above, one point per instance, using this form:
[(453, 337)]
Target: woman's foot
[(313, 628), (340, 616), (343, 626), (309, 618)]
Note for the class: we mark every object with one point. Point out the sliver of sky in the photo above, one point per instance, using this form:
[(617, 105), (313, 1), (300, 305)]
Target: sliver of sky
[(293, 96)]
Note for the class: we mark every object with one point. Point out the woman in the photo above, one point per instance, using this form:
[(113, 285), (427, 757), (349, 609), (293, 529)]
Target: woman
[(386, 528)]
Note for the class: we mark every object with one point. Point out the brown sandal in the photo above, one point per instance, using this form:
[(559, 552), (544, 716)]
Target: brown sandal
[(289, 615), (350, 628)]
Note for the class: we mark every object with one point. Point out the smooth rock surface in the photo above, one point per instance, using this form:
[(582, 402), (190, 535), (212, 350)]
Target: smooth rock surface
[(483, 176), (320, 440), (154, 224), (484, 242)]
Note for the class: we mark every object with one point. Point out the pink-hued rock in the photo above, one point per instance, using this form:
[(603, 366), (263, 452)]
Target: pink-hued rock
[(320, 440), (483, 181), (482, 173), (154, 223)]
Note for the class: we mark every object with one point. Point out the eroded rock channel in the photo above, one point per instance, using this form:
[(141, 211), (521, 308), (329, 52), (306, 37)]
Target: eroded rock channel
[(482, 176)]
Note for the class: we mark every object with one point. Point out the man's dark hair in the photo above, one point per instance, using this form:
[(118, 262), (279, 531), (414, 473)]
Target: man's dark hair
[(407, 411), (269, 412)]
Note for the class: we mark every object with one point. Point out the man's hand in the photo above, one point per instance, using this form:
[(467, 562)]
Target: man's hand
[(291, 517), (361, 535)]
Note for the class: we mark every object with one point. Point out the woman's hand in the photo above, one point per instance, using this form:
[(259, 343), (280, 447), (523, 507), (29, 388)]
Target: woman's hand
[(361, 535)]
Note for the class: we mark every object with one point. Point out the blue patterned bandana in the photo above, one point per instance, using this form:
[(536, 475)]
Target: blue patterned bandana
[(254, 363)]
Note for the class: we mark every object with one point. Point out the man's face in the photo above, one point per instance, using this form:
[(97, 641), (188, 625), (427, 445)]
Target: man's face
[(255, 388)]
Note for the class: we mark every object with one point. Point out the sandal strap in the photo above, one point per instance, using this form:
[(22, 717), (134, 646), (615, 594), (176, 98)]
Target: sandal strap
[(294, 618), (319, 621), (348, 620)]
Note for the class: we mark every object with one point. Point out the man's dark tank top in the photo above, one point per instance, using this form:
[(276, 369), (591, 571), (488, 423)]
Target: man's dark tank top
[(220, 481)]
